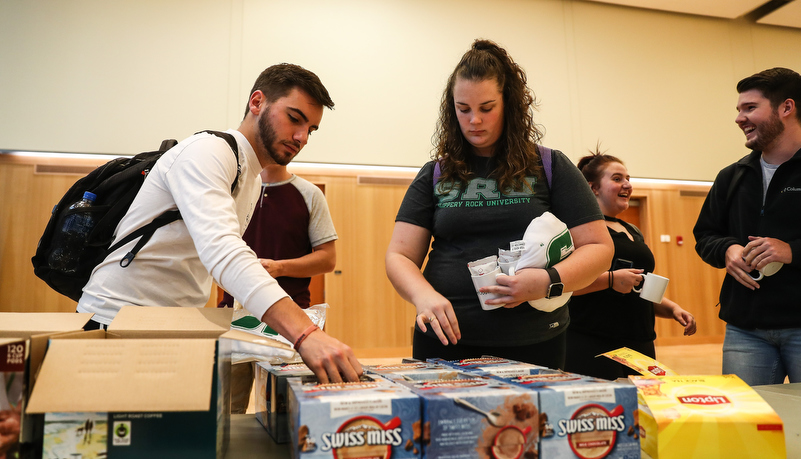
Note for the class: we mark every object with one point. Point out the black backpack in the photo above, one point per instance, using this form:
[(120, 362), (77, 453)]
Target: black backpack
[(116, 184)]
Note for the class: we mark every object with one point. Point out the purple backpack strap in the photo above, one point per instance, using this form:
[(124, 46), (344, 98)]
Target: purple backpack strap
[(545, 155)]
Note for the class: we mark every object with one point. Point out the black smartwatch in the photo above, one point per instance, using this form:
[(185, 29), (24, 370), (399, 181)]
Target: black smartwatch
[(557, 287)]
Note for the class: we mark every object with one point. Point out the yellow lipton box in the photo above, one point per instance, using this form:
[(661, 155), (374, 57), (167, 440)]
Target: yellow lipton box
[(706, 417)]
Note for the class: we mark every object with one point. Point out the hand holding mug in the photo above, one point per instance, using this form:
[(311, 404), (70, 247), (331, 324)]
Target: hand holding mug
[(761, 249), (767, 270), (652, 288), (624, 279), (737, 267)]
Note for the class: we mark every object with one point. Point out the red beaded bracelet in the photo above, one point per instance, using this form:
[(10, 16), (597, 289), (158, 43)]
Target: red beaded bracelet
[(312, 328)]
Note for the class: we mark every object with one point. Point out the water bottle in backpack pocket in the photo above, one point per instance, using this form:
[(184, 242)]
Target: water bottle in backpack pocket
[(75, 228), (80, 235)]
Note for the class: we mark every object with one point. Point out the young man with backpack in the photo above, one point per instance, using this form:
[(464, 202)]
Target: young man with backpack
[(749, 220), (176, 267)]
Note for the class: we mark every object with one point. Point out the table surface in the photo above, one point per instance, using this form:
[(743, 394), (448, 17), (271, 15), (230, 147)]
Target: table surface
[(785, 399), (250, 439)]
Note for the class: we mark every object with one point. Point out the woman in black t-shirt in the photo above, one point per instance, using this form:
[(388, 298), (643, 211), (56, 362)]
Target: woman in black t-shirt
[(608, 315), (480, 193)]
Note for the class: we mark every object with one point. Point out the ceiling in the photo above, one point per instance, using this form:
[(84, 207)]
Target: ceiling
[(785, 13)]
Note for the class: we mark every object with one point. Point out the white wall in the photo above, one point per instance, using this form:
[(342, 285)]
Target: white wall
[(657, 89)]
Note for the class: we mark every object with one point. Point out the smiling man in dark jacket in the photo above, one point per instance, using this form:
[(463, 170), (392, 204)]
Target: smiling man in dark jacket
[(751, 222)]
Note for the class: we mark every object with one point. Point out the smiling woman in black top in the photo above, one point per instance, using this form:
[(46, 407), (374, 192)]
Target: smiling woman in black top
[(608, 315)]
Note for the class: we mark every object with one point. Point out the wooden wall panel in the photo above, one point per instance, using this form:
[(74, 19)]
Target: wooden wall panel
[(366, 312), (693, 284), (25, 206)]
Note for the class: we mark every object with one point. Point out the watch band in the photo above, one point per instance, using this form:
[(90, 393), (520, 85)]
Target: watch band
[(554, 275), (556, 288)]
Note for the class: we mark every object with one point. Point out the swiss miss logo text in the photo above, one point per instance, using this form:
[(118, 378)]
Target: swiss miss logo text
[(335, 440), (364, 431), (591, 424)]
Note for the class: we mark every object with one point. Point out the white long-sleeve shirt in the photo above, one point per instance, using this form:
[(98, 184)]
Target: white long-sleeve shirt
[(173, 268)]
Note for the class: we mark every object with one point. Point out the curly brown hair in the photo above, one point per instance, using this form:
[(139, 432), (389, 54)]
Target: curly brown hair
[(516, 152)]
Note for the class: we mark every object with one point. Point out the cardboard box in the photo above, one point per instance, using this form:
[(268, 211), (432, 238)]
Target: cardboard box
[(489, 365), (589, 420), (23, 341), (412, 371), (129, 398), (155, 384), (403, 367), (706, 417), (551, 378), (12, 389), (582, 416), (474, 416), (272, 398), (579, 416), (374, 418), (700, 416)]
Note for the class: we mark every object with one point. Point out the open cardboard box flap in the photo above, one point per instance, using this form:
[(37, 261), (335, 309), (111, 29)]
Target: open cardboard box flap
[(27, 324), (141, 375), (157, 322), (38, 328), (151, 322)]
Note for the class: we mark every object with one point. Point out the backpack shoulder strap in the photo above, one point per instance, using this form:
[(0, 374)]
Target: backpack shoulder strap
[(547, 163), (146, 232), (234, 147), (166, 144)]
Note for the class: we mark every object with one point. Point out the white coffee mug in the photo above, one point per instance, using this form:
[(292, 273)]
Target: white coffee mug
[(486, 280), (652, 288), (768, 270)]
